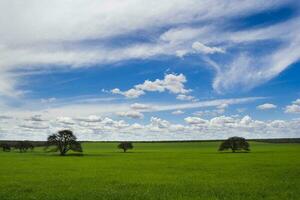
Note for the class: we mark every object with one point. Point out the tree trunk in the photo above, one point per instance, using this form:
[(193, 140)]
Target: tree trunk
[(63, 152)]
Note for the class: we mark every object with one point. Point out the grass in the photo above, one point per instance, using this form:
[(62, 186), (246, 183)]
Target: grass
[(153, 171)]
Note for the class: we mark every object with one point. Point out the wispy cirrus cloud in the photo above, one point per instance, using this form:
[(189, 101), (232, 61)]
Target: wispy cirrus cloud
[(40, 45), (210, 34), (107, 107)]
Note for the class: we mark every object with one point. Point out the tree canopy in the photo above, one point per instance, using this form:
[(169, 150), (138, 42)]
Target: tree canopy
[(125, 146), (63, 141), (235, 144)]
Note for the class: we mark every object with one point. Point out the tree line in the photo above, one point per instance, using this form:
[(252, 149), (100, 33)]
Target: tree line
[(65, 140), (22, 146)]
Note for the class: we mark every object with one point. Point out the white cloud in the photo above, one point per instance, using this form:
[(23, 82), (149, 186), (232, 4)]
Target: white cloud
[(156, 129), (202, 48), (177, 112), (241, 110), (131, 93), (297, 102), (246, 120), (140, 106), (49, 100), (37, 118), (266, 106), (222, 121), (254, 69), (90, 118), (220, 109), (294, 108), (159, 123), (131, 114), (222, 106), (65, 120), (203, 104), (171, 82), (181, 53), (40, 46), (184, 97), (183, 34), (209, 113), (196, 121), (89, 108)]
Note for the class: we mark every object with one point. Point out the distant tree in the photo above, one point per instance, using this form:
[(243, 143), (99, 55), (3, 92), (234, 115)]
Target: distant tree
[(23, 146), (6, 147), (63, 141), (235, 144), (125, 146)]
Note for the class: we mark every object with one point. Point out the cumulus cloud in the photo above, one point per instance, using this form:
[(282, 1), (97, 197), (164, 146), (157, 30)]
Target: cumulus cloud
[(105, 128), (294, 108), (297, 102), (90, 118), (230, 126), (131, 93), (196, 121), (131, 114), (158, 123), (65, 120), (266, 106), (172, 83)]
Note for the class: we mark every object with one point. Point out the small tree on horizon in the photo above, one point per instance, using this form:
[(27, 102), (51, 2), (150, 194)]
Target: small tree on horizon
[(23, 146), (235, 144), (125, 146), (63, 141)]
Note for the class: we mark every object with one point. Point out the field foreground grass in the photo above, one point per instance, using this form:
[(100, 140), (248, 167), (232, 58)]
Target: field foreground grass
[(153, 171)]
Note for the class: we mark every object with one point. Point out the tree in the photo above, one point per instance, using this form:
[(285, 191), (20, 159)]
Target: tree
[(6, 147), (125, 146), (235, 144), (23, 146), (63, 141)]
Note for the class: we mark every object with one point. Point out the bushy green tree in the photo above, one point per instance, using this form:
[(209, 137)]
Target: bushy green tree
[(63, 141), (235, 144), (125, 146)]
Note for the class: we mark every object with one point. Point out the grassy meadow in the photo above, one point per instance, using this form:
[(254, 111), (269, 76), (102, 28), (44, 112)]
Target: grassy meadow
[(155, 171)]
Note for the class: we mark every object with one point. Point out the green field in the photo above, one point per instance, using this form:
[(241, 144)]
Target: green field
[(153, 171)]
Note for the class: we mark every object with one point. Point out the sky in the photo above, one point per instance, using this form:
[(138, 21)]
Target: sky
[(150, 70)]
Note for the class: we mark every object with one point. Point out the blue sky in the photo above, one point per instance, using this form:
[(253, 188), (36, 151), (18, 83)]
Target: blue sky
[(159, 70)]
